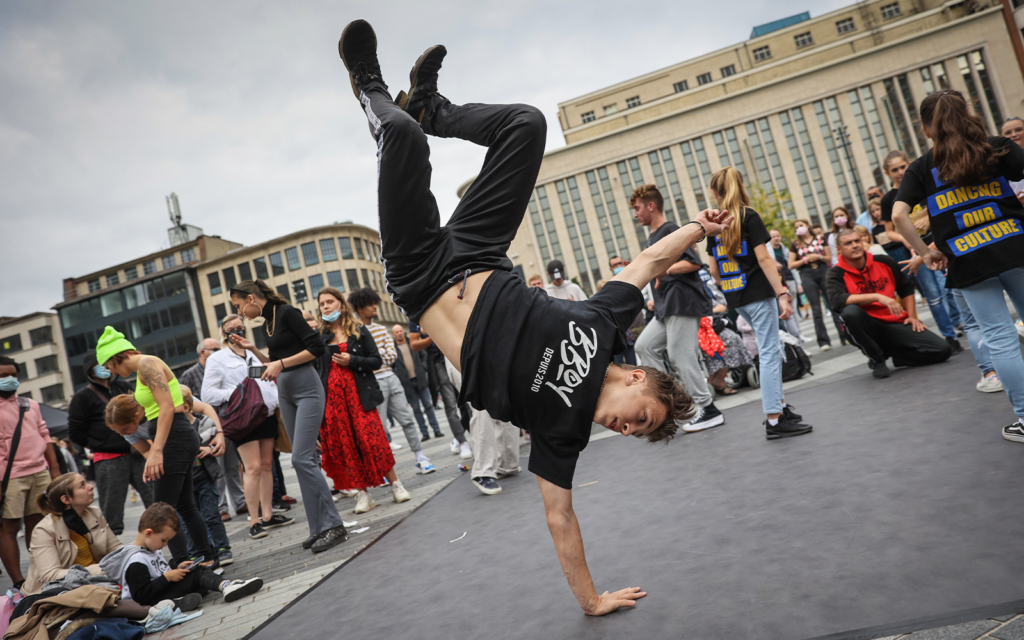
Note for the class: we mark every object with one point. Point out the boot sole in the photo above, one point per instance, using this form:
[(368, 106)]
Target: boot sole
[(404, 98), (341, 50)]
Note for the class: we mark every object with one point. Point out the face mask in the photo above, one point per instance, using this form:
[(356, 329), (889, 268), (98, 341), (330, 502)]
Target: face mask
[(240, 332), (617, 270), (8, 384), (101, 372), (332, 316), (801, 231), (840, 221)]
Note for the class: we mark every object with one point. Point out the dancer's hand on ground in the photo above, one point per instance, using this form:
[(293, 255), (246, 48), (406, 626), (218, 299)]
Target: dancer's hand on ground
[(272, 370), (895, 308), (785, 308), (154, 465), (935, 260), (608, 602), (341, 359), (714, 221), (915, 324)]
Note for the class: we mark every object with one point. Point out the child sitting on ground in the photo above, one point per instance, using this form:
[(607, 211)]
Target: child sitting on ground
[(146, 578)]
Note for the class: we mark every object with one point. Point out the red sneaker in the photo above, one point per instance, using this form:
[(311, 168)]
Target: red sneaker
[(288, 500)]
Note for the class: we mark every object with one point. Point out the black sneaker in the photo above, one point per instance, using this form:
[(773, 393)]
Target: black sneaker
[(786, 428), (310, 541), (257, 531), (706, 418), (358, 50), (239, 589), (1014, 432), (276, 521), (224, 557), (422, 81), (330, 539), (188, 602), (281, 507), (955, 345), (878, 369), (489, 486), (792, 415), (424, 437)]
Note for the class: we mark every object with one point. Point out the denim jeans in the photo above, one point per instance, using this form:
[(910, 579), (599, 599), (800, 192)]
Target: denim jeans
[(935, 294), (204, 489), (988, 305), (973, 331), (947, 298), (421, 404), (763, 316)]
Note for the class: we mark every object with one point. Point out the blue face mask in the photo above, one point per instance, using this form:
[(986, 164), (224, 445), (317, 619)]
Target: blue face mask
[(101, 372), (332, 316), (617, 270), (10, 383)]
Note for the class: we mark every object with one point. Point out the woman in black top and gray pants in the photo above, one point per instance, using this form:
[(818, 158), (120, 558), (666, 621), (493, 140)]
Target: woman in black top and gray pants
[(294, 347)]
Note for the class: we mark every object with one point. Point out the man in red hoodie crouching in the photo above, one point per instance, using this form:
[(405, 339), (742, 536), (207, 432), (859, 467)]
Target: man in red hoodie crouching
[(876, 302)]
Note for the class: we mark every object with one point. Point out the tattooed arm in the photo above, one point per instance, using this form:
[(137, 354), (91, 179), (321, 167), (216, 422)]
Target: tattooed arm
[(154, 374)]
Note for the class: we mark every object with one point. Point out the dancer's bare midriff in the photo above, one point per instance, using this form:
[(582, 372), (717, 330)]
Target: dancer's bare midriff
[(446, 320)]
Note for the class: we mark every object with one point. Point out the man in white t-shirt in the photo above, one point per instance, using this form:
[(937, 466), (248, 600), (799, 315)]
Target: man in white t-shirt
[(560, 287)]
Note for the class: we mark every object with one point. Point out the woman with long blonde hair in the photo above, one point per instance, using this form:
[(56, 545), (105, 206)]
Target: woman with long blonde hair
[(748, 276), (355, 448)]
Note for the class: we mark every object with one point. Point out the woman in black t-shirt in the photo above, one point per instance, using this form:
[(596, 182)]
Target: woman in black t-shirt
[(810, 255), (749, 278), (976, 223)]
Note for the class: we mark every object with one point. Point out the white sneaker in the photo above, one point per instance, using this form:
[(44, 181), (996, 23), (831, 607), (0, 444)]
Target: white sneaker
[(399, 492), (990, 384), (825, 347), (423, 466), (394, 445), (465, 452), (364, 502), (241, 588), (348, 493), (455, 446)]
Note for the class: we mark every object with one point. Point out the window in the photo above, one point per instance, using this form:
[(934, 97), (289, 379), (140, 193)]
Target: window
[(329, 249), (229, 278), (299, 289), (23, 371), (46, 364), (168, 261), (214, 280), (292, 255), (762, 53), (188, 255), (316, 283), (42, 335), (704, 78), (353, 279), (891, 11), (131, 273), (803, 40), (219, 311), (244, 271), (111, 304), (728, 71), (309, 254), (845, 25), (112, 280), (610, 109), (10, 344), (261, 268), (283, 291), (26, 394), (986, 86), (632, 102), (588, 117), (276, 265), (679, 87), (346, 248), (53, 393), (366, 279), (335, 280), (359, 249), (149, 267), (94, 285)]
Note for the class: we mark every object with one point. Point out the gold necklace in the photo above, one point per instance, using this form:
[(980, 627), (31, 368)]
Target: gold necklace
[(270, 332)]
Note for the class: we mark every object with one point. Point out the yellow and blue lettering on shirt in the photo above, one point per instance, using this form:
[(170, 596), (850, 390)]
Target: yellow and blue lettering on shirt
[(983, 236), (733, 278), (974, 209)]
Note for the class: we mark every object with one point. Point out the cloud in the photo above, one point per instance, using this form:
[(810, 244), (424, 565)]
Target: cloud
[(244, 110)]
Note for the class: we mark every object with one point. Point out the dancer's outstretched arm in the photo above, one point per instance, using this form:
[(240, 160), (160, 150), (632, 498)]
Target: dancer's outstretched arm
[(655, 261), (565, 531)]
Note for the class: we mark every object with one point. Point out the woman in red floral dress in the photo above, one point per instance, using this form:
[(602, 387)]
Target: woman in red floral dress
[(355, 449)]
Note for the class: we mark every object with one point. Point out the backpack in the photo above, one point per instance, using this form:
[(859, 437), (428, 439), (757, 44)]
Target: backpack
[(795, 363), (244, 410)]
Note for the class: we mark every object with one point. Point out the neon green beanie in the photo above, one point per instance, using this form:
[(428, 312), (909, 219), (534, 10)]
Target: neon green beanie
[(111, 343)]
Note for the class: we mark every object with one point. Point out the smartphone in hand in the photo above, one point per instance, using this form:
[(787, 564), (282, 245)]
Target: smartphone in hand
[(333, 349), (256, 372), (196, 563)]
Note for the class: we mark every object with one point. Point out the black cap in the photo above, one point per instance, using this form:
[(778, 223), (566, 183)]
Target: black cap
[(556, 267)]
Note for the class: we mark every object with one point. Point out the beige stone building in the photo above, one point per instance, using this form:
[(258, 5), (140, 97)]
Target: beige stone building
[(35, 342), (344, 256), (776, 107)]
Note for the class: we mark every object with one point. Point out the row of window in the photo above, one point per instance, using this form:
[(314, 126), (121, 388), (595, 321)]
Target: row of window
[(133, 328), (43, 366), (53, 394), (173, 284), (37, 336), (148, 268)]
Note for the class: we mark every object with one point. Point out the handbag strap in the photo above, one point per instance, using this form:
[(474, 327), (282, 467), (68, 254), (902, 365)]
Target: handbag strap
[(99, 395), (23, 406)]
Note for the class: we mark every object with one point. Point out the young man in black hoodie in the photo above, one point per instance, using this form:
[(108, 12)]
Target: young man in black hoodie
[(115, 463)]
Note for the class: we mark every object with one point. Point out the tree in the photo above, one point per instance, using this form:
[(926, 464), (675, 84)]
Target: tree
[(773, 205)]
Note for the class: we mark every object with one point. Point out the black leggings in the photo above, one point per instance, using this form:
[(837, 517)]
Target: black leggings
[(422, 259), (175, 488), (813, 282), (201, 580)]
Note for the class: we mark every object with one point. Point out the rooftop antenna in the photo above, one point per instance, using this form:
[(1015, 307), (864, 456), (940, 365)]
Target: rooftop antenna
[(173, 210)]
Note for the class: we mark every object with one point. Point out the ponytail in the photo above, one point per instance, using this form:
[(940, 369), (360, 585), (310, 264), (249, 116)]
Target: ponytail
[(962, 153), (49, 501), (259, 289), (727, 183)]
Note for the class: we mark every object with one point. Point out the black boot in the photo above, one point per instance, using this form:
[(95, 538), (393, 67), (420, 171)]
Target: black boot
[(422, 82), (358, 50)]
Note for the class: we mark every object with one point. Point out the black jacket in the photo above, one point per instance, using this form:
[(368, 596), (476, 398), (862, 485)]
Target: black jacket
[(87, 425), (365, 359), (419, 363)]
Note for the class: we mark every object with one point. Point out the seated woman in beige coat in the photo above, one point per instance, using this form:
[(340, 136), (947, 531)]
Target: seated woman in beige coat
[(71, 532)]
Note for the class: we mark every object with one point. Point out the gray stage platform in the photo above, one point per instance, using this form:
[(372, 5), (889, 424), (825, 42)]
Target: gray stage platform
[(905, 503)]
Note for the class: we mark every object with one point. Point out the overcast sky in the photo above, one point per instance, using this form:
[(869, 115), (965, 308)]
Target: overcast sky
[(244, 109)]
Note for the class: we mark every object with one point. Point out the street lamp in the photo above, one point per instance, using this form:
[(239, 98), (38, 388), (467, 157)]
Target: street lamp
[(843, 138)]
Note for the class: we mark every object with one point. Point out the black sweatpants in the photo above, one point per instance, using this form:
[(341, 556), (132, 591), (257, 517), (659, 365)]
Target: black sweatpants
[(880, 340), (421, 258), (813, 282)]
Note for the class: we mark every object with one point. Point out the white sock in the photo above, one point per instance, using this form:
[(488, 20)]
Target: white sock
[(224, 585), (421, 457), (773, 421)]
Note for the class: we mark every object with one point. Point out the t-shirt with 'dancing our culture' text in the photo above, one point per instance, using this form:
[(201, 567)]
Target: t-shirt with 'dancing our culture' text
[(743, 280), (540, 363)]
